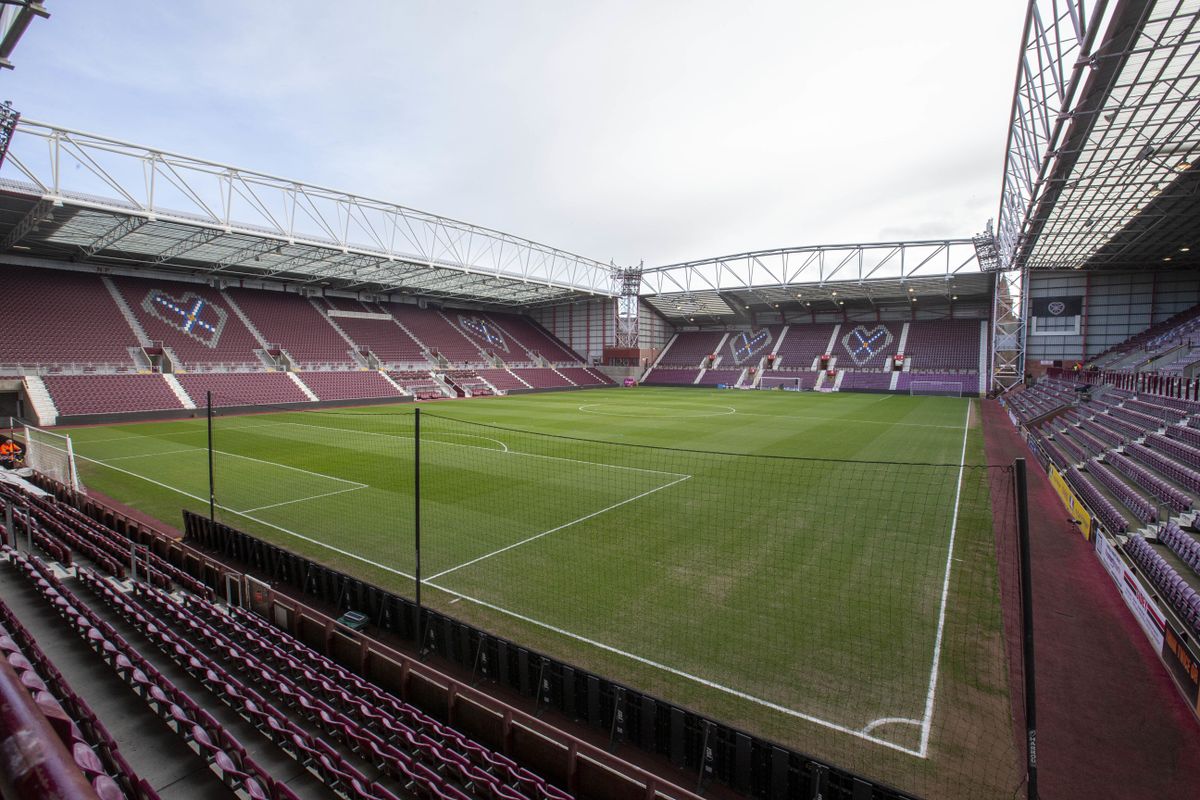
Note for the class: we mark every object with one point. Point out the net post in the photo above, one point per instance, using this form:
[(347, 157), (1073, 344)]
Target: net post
[(1027, 628), (417, 521), (75, 483), (212, 490), (10, 535)]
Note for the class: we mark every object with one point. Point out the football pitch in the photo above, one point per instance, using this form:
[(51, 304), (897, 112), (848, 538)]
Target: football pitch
[(816, 569)]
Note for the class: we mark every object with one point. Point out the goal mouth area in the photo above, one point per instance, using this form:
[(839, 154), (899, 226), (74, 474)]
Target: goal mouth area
[(936, 389), (49, 453)]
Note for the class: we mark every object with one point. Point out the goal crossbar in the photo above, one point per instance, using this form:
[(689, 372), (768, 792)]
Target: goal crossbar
[(51, 454)]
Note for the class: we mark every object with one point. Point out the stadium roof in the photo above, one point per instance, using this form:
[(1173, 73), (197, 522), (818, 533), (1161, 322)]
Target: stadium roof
[(1103, 163), (814, 278), (69, 195), (15, 17)]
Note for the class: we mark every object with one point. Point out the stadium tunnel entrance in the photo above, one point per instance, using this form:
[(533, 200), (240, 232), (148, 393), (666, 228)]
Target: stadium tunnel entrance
[(11, 402)]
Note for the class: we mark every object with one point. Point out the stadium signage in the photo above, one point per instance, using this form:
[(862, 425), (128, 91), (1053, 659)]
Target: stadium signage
[(1183, 665), (190, 314), (1132, 592), (480, 329), (1079, 512), (1057, 306), (745, 345), (862, 344)]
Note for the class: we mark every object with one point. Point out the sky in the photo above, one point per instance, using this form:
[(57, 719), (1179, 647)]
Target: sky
[(626, 131)]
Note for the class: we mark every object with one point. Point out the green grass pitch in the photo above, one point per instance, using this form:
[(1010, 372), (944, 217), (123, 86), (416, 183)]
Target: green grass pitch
[(777, 560)]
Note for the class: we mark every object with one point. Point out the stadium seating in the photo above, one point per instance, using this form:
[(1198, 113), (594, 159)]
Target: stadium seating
[(192, 319), (439, 334), (1182, 544), (533, 338), (671, 376), (802, 345), (1182, 598), (541, 378), (1110, 517), (92, 332), (242, 388), (945, 344), (1156, 338), (384, 338), (1142, 508), (1185, 454), (1147, 480), (291, 322), (747, 348), (690, 348), (110, 394), (1185, 434), (349, 385), (581, 376), (714, 377), (866, 380), (502, 379), (1184, 476)]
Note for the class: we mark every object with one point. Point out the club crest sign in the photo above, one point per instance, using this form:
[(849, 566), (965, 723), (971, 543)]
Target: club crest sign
[(190, 314), (862, 344), (1057, 307), (481, 329), (745, 346)]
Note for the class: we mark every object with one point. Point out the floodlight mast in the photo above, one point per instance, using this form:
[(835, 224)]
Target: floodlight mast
[(627, 286)]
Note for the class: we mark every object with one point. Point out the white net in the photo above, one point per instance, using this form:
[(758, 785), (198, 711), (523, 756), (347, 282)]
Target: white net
[(941, 388), (52, 455), (779, 382)]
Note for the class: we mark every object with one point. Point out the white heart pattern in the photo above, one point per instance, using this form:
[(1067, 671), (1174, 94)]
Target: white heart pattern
[(480, 329), (862, 345), (745, 346), (190, 314), (1056, 307)]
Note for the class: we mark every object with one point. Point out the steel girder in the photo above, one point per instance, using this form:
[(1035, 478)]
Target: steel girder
[(815, 265), (82, 170)]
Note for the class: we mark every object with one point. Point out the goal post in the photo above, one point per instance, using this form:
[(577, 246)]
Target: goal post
[(53, 455), (790, 384), (936, 388)]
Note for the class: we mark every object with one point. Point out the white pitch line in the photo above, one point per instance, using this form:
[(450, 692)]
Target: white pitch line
[(305, 499), (279, 528), (555, 530), (148, 455), (493, 450), (791, 712), (927, 719)]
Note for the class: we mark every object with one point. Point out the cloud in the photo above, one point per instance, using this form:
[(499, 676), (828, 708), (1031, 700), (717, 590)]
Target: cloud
[(625, 130)]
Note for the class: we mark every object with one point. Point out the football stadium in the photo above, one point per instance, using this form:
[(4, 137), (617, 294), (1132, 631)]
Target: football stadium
[(307, 494)]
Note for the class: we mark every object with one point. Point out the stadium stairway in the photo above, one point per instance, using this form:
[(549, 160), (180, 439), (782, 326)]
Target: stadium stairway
[(1142, 741)]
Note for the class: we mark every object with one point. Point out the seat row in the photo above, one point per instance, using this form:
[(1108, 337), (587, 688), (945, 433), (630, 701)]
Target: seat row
[(91, 746), (1155, 410), (367, 702), (1185, 434), (1110, 517), (207, 737), (1142, 508), (1182, 545), (1188, 478), (432, 767), (1184, 453), (311, 752), (1181, 596), (1156, 486)]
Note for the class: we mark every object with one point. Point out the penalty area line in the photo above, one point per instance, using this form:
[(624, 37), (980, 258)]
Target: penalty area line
[(791, 712), (565, 525)]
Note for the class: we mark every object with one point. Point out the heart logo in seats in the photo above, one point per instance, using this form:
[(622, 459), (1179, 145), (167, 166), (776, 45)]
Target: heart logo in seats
[(190, 314), (862, 345), (746, 345), (481, 329)]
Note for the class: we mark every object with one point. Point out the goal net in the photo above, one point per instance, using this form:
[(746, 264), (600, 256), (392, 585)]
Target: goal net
[(52, 455), (940, 388), (778, 382)]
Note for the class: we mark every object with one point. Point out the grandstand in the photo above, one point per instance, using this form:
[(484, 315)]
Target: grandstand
[(469, 517)]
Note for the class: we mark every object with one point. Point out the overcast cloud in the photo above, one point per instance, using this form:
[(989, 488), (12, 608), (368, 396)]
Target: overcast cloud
[(661, 131)]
